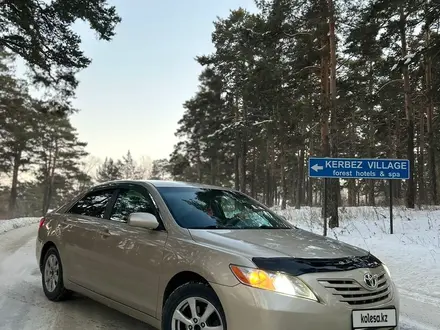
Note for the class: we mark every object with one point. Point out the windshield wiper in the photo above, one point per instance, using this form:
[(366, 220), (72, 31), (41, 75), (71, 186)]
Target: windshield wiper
[(209, 227), (226, 227), (270, 227)]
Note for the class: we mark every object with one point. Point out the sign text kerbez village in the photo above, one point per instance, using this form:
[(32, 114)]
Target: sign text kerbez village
[(339, 167)]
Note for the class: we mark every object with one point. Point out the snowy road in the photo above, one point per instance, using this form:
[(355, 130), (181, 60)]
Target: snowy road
[(24, 307)]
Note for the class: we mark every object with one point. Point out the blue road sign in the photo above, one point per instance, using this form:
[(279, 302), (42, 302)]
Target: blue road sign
[(355, 168)]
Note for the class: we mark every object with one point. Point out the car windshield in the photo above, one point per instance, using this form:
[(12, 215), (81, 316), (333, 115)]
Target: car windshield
[(197, 208)]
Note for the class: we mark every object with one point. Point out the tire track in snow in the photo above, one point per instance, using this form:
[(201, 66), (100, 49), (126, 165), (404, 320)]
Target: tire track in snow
[(421, 297), (419, 311), (408, 324)]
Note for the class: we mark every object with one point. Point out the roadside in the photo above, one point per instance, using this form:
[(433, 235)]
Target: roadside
[(7, 225)]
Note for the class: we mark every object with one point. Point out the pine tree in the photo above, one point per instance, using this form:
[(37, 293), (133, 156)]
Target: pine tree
[(130, 169), (41, 33), (160, 170), (110, 170), (59, 155), (18, 129)]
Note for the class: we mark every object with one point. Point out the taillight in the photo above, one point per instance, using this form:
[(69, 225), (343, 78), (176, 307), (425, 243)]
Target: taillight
[(42, 220)]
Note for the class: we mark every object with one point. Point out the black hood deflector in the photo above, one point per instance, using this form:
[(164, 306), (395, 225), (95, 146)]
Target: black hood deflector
[(300, 266)]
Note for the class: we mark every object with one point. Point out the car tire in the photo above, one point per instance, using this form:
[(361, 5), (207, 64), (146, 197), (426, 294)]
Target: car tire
[(203, 295), (52, 276)]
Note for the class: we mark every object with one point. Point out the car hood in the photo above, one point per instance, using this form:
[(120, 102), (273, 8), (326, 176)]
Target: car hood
[(276, 243)]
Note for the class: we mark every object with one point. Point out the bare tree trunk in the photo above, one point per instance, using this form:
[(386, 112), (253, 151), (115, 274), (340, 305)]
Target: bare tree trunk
[(293, 184), (335, 186), (253, 173), (371, 188), (236, 172), (396, 145), (199, 166), (351, 192), (269, 170), (242, 168), (309, 181), (432, 171), (243, 153), (213, 175), (47, 171), (299, 195), (421, 160), (14, 185), (371, 140), (51, 179), (410, 192), (237, 151), (325, 111), (283, 177), (273, 169), (267, 186)]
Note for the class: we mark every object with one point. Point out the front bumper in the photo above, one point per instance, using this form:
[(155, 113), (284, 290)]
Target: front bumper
[(249, 308)]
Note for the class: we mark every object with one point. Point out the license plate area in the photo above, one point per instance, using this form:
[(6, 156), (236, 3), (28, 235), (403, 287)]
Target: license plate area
[(374, 318)]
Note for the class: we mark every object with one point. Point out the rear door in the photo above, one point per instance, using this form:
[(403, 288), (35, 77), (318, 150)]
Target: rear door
[(130, 258), (82, 226)]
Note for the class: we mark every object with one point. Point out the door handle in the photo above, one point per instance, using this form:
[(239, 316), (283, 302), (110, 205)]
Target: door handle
[(104, 233)]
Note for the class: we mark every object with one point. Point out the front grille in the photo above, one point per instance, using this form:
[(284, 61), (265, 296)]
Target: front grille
[(351, 292)]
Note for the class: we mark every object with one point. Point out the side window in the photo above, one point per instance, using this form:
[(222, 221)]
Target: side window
[(93, 204), (131, 201), (228, 206)]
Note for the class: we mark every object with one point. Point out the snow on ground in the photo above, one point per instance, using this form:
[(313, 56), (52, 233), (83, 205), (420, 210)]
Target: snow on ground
[(412, 253), (7, 225)]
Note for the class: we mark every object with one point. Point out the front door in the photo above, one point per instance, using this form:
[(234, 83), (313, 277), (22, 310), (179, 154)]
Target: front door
[(130, 258)]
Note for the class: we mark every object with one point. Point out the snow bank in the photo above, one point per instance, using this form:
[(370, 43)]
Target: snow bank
[(412, 253), (7, 225)]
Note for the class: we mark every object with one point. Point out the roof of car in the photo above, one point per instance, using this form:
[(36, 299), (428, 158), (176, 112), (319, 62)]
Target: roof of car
[(162, 184), (168, 183)]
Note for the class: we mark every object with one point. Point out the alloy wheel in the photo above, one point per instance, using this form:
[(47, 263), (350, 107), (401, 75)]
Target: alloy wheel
[(196, 314), (51, 273)]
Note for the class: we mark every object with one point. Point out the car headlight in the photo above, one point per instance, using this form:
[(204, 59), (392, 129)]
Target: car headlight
[(386, 270), (273, 281)]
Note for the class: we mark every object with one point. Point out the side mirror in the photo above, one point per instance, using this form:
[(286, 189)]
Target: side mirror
[(143, 220)]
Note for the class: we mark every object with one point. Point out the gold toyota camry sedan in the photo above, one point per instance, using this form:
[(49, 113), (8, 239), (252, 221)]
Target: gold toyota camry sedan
[(187, 256)]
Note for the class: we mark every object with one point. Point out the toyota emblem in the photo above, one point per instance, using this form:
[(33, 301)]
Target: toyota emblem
[(371, 281)]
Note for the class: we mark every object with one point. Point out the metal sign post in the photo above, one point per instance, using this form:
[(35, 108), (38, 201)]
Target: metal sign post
[(391, 207), (359, 168), (325, 206)]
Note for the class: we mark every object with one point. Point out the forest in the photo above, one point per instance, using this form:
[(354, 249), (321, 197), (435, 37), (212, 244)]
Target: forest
[(42, 160), (316, 78), (293, 79)]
